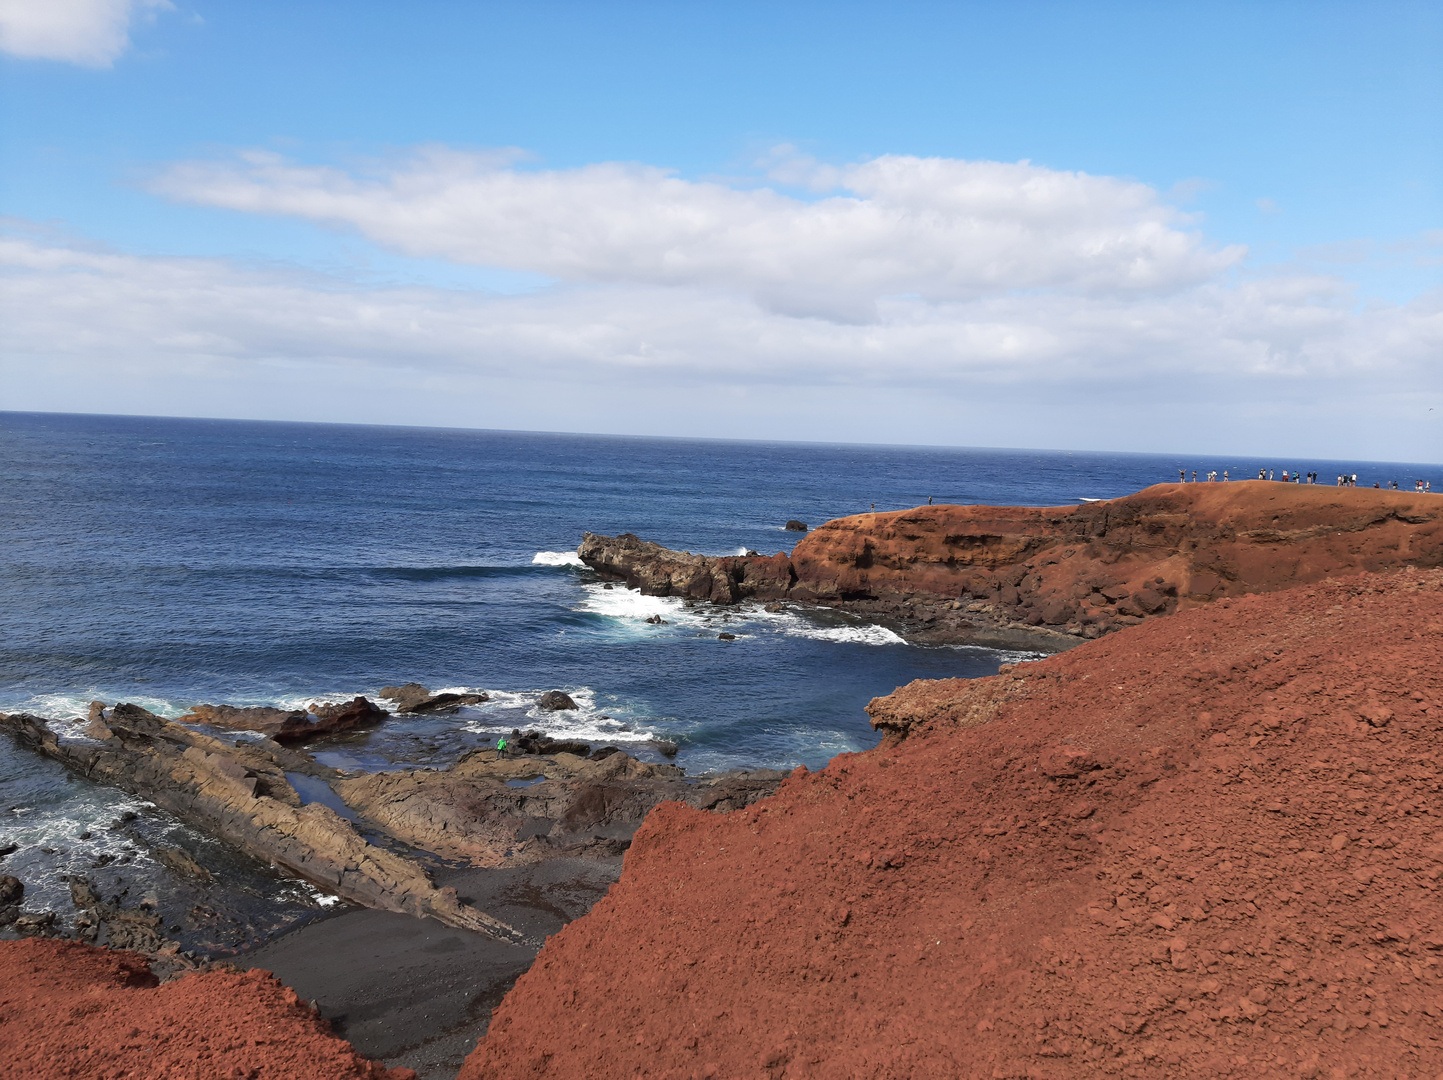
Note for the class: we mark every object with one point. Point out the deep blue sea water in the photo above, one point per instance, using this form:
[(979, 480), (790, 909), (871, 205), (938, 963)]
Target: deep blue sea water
[(169, 562)]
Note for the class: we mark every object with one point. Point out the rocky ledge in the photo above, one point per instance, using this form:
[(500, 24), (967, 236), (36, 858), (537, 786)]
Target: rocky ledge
[(1048, 578), (239, 793), (497, 811)]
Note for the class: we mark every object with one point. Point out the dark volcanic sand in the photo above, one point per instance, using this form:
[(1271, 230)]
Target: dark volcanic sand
[(414, 993)]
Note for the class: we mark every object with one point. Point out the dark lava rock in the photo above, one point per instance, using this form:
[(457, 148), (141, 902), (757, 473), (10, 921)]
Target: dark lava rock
[(656, 620), (795, 526), (555, 700), (533, 742), (11, 890), (726, 637), (413, 693), (666, 747), (35, 923), (8, 849), (603, 752)]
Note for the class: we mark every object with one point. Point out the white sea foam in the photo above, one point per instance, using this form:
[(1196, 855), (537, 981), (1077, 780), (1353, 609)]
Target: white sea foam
[(509, 709), (556, 558), (619, 602)]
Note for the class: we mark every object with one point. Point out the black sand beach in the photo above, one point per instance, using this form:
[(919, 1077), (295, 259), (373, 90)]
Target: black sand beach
[(415, 993)]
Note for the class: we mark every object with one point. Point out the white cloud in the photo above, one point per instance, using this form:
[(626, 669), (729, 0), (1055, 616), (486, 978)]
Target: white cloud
[(939, 229), (1053, 368), (913, 300), (92, 33)]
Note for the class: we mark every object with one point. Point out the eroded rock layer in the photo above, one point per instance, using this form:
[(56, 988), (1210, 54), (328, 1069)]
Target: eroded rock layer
[(1208, 845), (972, 572), (240, 794), (493, 811)]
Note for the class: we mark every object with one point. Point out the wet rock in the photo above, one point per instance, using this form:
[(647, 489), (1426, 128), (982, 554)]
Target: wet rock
[(535, 743), (795, 526), (655, 620), (580, 806), (240, 795), (287, 725), (554, 701), (603, 752), (180, 860), (34, 923), (412, 693), (726, 637), (11, 890), (665, 747)]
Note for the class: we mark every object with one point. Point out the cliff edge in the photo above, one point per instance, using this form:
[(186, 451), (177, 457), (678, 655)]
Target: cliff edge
[(1206, 845)]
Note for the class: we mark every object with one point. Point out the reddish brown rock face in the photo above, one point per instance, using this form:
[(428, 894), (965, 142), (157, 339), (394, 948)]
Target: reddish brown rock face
[(1087, 569), (1141, 555), (1207, 845), (75, 1010)]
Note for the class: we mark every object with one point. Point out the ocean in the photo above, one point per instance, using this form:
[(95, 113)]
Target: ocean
[(169, 562)]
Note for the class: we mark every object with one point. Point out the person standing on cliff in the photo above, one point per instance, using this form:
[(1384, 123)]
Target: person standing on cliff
[(501, 747)]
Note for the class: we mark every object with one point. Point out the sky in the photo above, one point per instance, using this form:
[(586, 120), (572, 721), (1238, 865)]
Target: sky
[(1206, 228)]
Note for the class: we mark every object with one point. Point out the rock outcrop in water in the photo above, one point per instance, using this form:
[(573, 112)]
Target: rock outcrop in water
[(1205, 846), (568, 804), (290, 725), (240, 794), (1007, 575)]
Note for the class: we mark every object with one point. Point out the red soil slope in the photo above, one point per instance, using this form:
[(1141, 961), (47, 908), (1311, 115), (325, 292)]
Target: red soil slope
[(1208, 845), (68, 1009), (1168, 541)]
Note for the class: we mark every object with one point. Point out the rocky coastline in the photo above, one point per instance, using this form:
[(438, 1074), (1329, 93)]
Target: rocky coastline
[(1047, 579), (1203, 837)]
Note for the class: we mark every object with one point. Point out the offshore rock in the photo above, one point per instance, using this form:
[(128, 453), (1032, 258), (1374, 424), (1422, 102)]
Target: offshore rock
[(287, 725), (576, 805), (415, 698), (240, 794), (555, 701)]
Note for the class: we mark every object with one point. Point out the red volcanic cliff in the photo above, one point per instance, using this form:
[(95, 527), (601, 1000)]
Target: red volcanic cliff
[(1183, 540), (1208, 845), (1086, 569), (68, 1009)]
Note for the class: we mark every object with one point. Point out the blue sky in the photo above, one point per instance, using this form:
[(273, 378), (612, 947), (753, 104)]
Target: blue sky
[(1228, 236)]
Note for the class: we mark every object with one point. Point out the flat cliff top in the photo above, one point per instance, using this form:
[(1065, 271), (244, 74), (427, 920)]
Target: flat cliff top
[(1203, 845), (1242, 505)]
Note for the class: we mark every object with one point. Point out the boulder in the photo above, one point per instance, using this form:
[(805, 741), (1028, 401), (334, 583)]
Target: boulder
[(554, 701), (726, 637), (412, 693), (11, 890), (795, 526)]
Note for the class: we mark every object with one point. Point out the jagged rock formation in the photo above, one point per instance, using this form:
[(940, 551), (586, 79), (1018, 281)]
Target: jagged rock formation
[(574, 805), (290, 725), (969, 572), (240, 794), (415, 698)]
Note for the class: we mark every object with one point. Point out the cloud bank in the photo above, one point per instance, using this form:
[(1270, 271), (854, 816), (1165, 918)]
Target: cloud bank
[(91, 33), (899, 299), (940, 229)]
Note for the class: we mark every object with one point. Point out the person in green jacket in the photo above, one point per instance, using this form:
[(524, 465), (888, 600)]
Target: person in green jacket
[(501, 746)]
